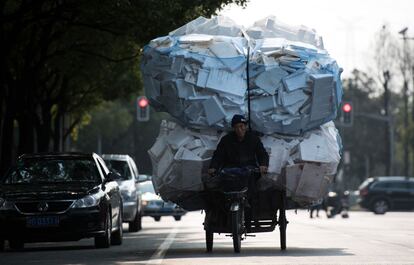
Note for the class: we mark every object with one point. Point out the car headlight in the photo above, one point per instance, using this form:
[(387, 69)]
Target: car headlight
[(88, 201), (5, 205)]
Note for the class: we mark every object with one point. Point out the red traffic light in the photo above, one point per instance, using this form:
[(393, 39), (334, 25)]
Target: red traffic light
[(143, 102), (347, 107)]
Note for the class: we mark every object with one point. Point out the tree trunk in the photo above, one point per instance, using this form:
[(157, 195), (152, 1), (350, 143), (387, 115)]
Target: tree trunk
[(57, 136), (44, 128), (7, 138), (26, 134), (388, 155)]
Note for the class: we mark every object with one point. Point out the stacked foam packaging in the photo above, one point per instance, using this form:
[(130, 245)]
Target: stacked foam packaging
[(199, 74)]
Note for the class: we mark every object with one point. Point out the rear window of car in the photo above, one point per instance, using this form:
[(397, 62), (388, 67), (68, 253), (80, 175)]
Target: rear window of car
[(52, 170), (366, 183)]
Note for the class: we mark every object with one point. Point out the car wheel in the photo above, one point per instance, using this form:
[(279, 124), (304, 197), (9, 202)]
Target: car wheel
[(117, 236), (16, 244), (380, 206), (177, 217), (104, 241), (157, 218), (136, 224)]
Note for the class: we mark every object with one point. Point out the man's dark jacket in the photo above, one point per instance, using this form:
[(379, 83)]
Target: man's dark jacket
[(231, 152)]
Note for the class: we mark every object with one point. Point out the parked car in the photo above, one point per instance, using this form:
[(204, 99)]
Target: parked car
[(381, 194), (131, 197), (154, 206), (60, 197)]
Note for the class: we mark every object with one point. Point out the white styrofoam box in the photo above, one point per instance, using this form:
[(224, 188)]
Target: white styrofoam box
[(321, 146), (164, 163), (178, 137), (323, 91), (189, 27), (223, 50), (292, 175), (227, 82), (314, 149), (261, 104), (313, 182), (213, 110), (270, 80), (157, 149), (184, 89)]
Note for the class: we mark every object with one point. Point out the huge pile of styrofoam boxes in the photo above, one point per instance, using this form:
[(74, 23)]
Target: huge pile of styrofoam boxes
[(199, 74)]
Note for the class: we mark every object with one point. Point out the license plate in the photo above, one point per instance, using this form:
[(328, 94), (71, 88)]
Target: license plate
[(42, 221)]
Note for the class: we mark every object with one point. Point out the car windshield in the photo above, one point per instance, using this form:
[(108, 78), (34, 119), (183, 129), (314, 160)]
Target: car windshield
[(120, 167), (147, 187), (52, 170)]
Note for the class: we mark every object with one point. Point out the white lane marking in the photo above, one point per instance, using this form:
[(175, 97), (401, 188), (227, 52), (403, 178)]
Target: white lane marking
[(158, 256)]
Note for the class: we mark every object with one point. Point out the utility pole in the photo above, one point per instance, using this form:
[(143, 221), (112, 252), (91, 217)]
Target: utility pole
[(403, 32), (388, 126)]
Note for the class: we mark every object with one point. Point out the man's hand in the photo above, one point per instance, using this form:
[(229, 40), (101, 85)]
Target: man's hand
[(211, 171), (263, 170)]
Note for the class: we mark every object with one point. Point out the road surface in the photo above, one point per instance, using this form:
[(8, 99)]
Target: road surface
[(364, 238)]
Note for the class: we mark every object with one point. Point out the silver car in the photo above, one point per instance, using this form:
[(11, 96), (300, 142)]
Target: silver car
[(154, 206), (131, 200)]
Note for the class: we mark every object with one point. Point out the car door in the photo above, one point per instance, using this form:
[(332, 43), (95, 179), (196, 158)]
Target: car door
[(400, 194), (134, 172), (112, 190)]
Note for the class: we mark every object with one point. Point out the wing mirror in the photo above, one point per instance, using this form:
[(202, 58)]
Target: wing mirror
[(112, 176), (142, 178)]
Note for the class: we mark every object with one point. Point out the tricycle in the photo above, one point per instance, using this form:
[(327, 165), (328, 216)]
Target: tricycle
[(236, 209)]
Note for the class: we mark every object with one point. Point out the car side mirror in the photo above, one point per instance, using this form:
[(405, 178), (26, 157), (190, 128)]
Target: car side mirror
[(112, 176), (142, 178)]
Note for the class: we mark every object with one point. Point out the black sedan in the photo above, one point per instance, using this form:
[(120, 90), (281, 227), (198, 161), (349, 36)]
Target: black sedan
[(60, 197)]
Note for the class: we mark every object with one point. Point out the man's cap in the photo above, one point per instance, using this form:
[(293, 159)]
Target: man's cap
[(238, 119)]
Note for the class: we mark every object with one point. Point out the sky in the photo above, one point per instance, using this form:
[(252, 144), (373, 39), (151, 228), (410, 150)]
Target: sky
[(348, 27)]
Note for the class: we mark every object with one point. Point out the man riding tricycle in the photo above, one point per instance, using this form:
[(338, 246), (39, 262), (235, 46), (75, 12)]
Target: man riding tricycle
[(234, 206)]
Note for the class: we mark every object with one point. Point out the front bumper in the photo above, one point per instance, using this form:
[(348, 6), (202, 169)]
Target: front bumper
[(74, 224)]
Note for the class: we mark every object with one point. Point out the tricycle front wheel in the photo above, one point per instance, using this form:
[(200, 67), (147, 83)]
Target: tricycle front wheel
[(209, 240), (236, 230)]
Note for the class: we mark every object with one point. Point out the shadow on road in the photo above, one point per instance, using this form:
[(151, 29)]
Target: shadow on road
[(254, 251), (54, 248)]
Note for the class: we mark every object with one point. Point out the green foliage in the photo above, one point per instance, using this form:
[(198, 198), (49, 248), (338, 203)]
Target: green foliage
[(63, 58)]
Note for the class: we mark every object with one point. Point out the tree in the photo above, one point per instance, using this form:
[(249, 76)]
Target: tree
[(385, 49), (363, 137), (61, 58)]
